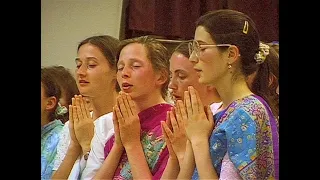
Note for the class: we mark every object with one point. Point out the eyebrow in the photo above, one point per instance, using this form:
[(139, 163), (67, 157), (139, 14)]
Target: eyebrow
[(131, 60), (180, 71), (202, 42), (87, 58)]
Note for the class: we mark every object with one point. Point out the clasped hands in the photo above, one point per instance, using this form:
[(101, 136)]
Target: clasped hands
[(81, 125), (187, 122), (126, 122)]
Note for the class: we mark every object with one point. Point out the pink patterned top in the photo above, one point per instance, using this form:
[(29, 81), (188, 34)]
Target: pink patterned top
[(153, 144)]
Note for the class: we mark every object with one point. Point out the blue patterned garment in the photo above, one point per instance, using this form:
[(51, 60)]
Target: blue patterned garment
[(49, 140), (247, 131)]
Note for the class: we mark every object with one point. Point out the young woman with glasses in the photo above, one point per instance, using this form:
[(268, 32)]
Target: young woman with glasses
[(241, 141)]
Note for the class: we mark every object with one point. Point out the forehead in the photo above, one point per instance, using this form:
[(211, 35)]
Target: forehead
[(201, 35), (133, 51), (88, 50), (179, 62)]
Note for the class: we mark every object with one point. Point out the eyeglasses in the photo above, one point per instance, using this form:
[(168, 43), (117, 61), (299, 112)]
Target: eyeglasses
[(195, 47)]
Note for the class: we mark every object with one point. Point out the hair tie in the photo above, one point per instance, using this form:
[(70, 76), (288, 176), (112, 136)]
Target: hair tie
[(261, 55), (61, 110)]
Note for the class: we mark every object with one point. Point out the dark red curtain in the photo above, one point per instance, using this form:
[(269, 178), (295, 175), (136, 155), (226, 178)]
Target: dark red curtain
[(265, 13), (175, 19)]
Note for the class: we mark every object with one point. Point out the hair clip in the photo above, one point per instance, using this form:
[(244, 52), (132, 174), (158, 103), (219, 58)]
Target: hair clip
[(245, 27)]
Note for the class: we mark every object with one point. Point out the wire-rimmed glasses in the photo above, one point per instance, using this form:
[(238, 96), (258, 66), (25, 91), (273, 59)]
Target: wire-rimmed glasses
[(195, 47)]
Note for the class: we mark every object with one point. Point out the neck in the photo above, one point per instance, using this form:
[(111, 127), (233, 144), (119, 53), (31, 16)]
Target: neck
[(44, 119), (211, 98), (103, 104), (231, 91), (145, 102)]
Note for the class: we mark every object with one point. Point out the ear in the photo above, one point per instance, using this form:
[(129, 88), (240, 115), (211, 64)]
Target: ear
[(233, 54), (51, 103), (161, 78), (115, 81)]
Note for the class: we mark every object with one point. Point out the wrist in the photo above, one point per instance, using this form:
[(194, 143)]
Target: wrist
[(85, 148), (180, 158), (132, 145), (74, 150), (199, 142), (75, 146), (118, 146)]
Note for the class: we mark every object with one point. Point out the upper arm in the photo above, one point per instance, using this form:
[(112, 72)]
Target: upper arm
[(62, 146), (241, 139)]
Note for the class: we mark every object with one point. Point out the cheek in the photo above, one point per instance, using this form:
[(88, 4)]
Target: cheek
[(98, 75), (182, 86), (185, 83), (145, 76), (143, 73), (119, 77)]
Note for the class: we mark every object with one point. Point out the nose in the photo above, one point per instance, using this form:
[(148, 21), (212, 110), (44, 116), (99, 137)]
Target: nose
[(125, 73), (193, 58), (81, 71), (172, 84)]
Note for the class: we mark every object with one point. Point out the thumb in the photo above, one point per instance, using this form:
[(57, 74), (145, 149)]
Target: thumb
[(114, 119)]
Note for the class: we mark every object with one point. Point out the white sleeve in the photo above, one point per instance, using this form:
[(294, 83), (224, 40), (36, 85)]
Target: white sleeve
[(103, 132), (62, 146)]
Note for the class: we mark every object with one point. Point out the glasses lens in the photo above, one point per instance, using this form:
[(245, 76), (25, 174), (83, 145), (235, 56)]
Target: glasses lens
[(196, 47), (193, 51), (190, 46)]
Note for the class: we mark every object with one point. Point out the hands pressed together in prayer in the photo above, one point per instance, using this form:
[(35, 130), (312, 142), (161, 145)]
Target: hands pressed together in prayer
[(188, 122), (126, 122), (81, 125)]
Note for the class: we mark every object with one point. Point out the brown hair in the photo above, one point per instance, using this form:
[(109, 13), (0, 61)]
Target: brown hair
[(269, 68), (108, 46), (67, 84), (157, 53), (182, 48), (51, 88)]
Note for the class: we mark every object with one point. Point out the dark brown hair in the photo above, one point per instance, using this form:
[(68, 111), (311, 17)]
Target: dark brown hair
[(269, 68), (227, 26)]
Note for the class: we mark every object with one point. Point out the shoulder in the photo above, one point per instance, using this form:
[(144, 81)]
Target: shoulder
[(104, 121), (247, 110), (250, 105)]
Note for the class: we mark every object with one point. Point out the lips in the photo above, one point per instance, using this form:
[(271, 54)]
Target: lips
[(83, 82), (176, 97), (126, 86), (198, 70)]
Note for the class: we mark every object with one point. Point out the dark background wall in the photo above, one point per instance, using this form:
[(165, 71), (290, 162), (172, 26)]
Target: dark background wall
[(175, 19)]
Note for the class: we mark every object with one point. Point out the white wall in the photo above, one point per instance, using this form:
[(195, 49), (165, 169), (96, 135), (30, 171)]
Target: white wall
[(64, 23)]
